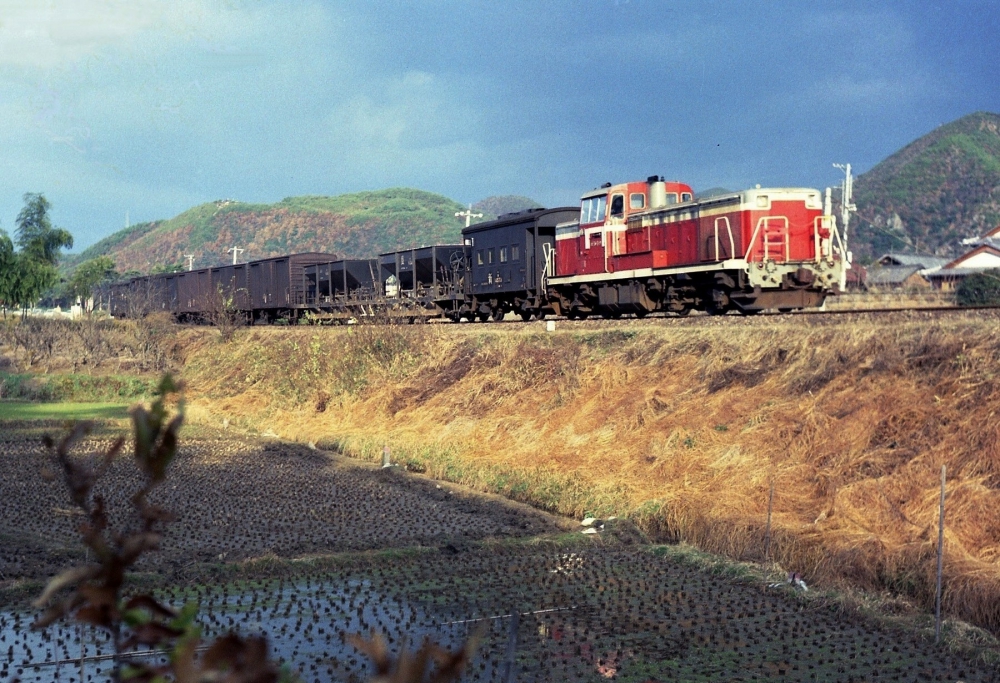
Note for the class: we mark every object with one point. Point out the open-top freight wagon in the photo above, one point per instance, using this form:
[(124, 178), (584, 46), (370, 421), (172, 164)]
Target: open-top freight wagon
[(633, 248)]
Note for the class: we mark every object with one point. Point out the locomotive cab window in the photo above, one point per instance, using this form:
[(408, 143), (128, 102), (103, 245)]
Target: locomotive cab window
[(671, 198), (637, 200), (617, 205), (592, 210), (503, 254), (686, 196)]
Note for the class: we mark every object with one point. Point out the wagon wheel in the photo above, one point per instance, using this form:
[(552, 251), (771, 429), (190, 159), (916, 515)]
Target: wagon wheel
[(457, 261), (497, 314), (526, 315)]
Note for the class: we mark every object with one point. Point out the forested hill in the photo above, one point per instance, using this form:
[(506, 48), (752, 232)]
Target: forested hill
[(932, 193), (357, 225)]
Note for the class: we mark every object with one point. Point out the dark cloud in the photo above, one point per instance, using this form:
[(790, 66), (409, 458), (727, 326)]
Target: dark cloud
[(165, 108)]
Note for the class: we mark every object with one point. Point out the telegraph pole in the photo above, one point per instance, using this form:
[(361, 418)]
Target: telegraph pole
[(190, 260), (468, 215), (847, 206), (236, 252)]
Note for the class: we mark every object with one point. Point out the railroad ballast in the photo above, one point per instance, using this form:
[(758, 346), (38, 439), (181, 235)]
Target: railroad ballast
[(634, 248)]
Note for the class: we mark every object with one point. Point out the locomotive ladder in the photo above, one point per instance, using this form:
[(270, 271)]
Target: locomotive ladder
[(773, 231)]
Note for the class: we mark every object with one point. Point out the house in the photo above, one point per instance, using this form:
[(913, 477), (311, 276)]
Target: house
[(896, 277), (903, 271), (985, 256)]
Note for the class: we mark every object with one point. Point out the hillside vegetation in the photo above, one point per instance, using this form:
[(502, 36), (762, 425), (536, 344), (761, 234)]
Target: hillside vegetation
[(682, 427), (935, 191), (492, 207), (357, 225)]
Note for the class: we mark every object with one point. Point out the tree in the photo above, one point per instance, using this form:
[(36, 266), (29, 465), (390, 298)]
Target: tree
[(980, 289), (90, 274), (27, 274), (8, 260), (35, 235)]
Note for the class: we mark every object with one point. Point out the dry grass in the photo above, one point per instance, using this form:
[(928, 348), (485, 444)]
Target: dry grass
[(681, 425)]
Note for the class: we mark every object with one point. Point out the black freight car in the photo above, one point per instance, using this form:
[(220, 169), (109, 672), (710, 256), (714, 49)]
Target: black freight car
[(423, 283), (511, 260)]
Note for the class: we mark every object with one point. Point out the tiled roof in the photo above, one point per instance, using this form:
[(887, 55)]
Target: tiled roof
[(919, 260), (891, 275)]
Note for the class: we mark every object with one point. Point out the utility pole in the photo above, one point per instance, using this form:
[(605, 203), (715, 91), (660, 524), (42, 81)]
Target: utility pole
[(236, 252), (190, 260), (847, 206), (468, 215)]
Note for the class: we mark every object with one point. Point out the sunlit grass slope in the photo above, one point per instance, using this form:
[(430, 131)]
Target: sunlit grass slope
[(682, 427)]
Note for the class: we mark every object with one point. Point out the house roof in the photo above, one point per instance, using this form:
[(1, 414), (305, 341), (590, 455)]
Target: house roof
[(891, 275), (920, 260), (952, 273), (981, 249), (995, 232)]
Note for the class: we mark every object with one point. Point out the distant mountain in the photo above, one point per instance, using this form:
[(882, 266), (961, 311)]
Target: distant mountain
[(712, 192), (932, 193), (351, 225), (491, 207)]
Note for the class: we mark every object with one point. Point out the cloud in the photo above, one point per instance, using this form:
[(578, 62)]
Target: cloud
[(55, 33)]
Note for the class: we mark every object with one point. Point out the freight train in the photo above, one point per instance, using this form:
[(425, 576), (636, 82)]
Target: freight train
[(629, 249)]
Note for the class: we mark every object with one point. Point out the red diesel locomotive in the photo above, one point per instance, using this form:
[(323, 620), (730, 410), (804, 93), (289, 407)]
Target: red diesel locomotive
[(643, 247)]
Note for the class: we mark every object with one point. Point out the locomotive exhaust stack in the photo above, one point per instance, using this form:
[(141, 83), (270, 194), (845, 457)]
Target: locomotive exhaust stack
[(657, 192)]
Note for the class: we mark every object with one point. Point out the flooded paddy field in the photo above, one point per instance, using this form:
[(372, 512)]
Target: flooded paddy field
[(348, 548), (588, 612)]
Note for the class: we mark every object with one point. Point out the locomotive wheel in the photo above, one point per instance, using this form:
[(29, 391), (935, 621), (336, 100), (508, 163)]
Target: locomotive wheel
[(497, 314), (684, 311), (483, 317), (526, 315)]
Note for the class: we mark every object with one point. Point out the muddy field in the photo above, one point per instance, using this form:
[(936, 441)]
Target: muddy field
[(437, 562), (239, 499)]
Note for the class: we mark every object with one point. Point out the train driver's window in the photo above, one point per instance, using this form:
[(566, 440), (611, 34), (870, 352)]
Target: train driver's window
[(617, 205), (637, 200), (671, 198), (686, 196), (479, 257)]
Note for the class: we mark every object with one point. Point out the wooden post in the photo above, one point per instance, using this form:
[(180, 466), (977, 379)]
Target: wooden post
[(940, 565), (767, 529)]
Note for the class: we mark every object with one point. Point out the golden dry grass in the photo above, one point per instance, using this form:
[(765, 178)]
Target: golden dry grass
[(680, 425)]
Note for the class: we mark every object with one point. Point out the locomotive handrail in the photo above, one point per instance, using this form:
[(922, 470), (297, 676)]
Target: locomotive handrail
[(729, 229)]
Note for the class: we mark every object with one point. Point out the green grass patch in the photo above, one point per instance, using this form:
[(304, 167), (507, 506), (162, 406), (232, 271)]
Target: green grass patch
[(23, 410), (75, 387)]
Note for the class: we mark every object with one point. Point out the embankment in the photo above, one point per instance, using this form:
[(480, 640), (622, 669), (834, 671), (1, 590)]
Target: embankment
[(682, 425)]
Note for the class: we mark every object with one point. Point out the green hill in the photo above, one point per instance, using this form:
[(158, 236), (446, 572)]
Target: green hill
[(932, 193), (356, 225), (492, 207)]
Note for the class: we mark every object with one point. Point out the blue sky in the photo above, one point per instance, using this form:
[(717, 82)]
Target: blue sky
[(150, 107)]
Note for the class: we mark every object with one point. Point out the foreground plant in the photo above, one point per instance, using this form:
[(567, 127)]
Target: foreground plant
[(93, 593)]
